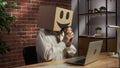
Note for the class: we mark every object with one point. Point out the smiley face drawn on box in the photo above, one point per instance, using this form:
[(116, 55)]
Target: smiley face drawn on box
[(63, 18), (54, 18)]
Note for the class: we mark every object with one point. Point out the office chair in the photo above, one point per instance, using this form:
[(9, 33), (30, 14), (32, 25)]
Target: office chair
[(30, 55)]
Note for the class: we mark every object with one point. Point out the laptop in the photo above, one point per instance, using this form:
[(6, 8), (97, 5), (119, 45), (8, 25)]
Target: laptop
[(93, 53)]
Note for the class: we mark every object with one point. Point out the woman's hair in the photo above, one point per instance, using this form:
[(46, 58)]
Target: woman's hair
[(62, 29)]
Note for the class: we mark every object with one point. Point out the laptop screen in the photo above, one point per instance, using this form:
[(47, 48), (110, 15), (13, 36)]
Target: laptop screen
[(93, 52)]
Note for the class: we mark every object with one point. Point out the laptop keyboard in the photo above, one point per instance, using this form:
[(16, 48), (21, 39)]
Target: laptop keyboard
[(77, 60), (82, 61)]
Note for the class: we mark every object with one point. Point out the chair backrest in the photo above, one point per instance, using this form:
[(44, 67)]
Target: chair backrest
[(30, 55)]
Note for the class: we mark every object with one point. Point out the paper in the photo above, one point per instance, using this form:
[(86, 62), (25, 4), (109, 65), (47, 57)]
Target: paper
[(55, 66)]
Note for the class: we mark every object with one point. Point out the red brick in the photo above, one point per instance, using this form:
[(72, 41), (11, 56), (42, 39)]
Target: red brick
[(22, 0), (24, 29)]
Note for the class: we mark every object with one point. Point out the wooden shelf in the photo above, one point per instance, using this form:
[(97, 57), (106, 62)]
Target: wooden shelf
[(96, 37), (83, 44), (99, 13), (90, 20)]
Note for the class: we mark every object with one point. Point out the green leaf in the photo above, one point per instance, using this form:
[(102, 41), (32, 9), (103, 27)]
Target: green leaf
[(5, 20), (4, 3), (13, 4), (3, 47)]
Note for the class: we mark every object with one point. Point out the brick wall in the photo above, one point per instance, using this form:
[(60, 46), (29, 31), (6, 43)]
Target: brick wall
[(24, 30)]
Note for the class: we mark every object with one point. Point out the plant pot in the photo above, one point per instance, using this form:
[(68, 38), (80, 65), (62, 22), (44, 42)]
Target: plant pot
[(98, 31)]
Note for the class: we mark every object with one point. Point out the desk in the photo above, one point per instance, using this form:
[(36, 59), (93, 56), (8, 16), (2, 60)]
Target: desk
[(104, 61)]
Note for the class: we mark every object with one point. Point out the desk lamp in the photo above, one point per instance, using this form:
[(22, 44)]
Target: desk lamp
[(118, 40)]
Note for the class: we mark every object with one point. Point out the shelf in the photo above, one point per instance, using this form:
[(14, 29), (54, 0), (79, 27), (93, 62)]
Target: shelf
[(96, 37), (89, 20), (99, 13)]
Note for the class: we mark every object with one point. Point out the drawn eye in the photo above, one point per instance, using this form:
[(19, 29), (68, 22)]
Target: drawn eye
[(61, 14), (67, 15)]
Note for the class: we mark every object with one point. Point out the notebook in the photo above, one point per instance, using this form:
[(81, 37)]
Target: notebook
[(93, 53)]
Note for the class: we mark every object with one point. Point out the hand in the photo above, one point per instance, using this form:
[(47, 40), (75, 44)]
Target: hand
[(68, 37)]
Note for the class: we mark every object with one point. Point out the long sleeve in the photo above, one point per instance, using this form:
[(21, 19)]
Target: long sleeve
[(68, 51), (48, 48)]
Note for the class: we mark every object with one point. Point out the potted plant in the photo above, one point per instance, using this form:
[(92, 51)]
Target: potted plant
[(96, 10), (98, 29), (90, 11), (5, 20), (102, 9)]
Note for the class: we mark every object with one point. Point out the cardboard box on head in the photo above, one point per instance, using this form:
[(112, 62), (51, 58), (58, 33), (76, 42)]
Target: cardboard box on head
[(54, 18)]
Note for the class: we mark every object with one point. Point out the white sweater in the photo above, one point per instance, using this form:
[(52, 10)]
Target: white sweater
[(48, 49)]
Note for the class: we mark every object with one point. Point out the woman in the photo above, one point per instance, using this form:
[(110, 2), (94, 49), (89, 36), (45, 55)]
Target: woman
[(53, 45)]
